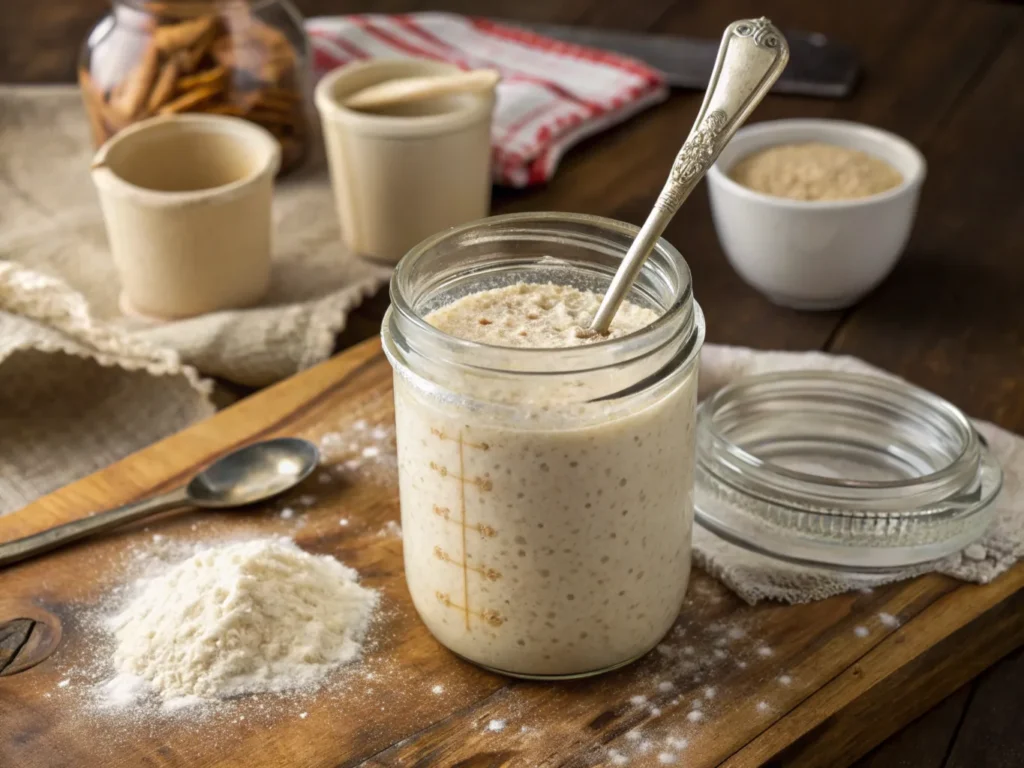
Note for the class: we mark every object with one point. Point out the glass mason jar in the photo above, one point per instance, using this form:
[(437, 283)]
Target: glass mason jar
[(246, 58), (546, 494)]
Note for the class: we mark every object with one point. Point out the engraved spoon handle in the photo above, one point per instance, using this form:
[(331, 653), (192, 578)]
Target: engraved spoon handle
[(751, 58)]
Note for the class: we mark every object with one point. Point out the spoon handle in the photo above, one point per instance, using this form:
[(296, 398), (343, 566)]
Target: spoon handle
[(36, 544), (751, 58)]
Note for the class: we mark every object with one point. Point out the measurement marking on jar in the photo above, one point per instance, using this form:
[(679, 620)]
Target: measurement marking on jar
[(490, 574), (491, 617), (485, 531), (485, 484), (444, 436)]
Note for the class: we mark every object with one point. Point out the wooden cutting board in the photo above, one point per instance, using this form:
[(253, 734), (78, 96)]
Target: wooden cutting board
[(809, 685)]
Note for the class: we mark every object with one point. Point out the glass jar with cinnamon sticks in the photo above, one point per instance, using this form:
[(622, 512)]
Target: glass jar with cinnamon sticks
[(246, 58)]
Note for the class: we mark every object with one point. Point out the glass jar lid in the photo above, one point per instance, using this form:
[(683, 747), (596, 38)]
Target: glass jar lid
[(841, 470)]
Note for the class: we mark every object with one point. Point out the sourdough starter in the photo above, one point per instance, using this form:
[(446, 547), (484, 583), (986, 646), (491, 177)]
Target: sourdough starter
[(557, 543)]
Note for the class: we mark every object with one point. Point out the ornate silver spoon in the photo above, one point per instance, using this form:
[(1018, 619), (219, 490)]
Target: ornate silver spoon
[(751, 58)]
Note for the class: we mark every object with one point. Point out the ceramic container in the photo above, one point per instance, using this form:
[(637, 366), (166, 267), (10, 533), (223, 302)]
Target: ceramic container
[(402, 174), (815, 254), (186, 201)]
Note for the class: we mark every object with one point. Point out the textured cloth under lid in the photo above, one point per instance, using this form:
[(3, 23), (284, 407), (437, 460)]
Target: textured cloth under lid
[(755, 577)]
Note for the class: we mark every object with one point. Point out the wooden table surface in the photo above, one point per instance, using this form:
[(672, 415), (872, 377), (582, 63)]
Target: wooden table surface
[(946, 74)]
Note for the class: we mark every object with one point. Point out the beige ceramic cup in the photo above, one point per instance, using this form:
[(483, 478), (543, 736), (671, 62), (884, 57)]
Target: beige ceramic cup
[(186, 201), (403, 174)]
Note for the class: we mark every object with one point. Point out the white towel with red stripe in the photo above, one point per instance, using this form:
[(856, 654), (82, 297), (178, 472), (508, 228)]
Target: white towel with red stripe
[(551, 95)]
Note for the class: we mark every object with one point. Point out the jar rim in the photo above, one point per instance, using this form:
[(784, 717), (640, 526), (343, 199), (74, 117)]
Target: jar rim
[(680, 319), (836, 385)]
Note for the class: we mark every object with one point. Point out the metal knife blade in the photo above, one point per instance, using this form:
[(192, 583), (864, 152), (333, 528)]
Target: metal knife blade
[(817, 66)]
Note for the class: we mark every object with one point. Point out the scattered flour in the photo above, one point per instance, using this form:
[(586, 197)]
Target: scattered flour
[(361, 450), (617, 758), (248, 617), (437, 689), (765, 651), (785, 680), (391, 529), (975, 552), (496, 726), (861, 631), (710, 693), (665, 686), (763, 706), (888, 620), (667, 758), (287, 513), (695, 716), (64, 683), (637, 701)]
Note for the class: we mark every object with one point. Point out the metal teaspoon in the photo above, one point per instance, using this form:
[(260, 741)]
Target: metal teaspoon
[(245, 476)]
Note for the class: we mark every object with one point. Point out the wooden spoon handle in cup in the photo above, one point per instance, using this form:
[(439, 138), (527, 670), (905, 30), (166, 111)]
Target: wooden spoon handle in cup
[(408, 89)]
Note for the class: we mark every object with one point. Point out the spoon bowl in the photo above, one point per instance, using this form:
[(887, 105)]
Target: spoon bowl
[(254, 473), (245, 476)]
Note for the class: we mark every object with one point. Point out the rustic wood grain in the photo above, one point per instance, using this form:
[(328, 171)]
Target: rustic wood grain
[(944, 74), (949, 631), (925, 742), (990, 734), (927, 675), (951, 315)]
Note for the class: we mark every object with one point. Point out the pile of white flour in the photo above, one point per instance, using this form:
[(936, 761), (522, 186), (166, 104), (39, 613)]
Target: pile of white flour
[(247, 617)]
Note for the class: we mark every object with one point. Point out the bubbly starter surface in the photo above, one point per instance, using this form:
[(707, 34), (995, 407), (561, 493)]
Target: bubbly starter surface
[(526, 315), (541, 548)]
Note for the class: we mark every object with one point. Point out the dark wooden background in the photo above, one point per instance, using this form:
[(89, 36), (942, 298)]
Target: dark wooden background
[(946, 74)]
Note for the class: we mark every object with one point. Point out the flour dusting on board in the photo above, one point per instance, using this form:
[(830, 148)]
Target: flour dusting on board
[(361, 450)]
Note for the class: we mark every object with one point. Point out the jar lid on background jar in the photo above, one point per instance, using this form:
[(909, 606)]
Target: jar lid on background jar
[(841, 471)]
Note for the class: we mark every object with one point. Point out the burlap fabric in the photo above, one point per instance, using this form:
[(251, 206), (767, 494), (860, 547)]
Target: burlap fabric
[(64, 343)]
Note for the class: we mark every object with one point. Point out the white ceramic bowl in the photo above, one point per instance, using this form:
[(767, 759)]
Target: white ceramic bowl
[(815, 254)]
